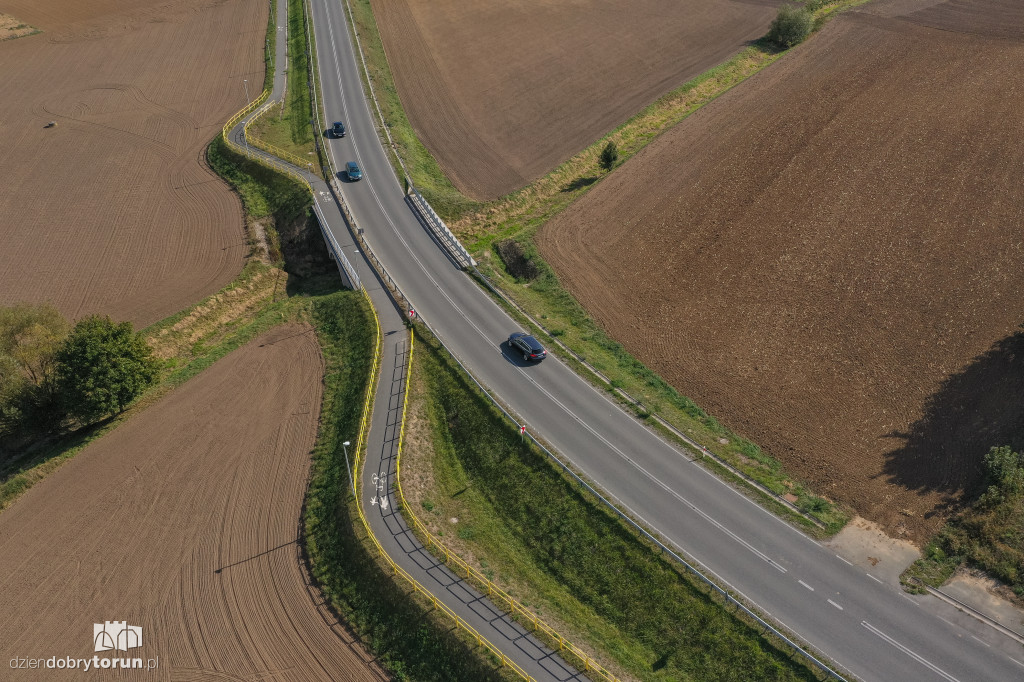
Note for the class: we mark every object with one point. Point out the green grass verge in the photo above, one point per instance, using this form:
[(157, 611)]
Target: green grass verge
[(426, 174), (988, 534), (269, 46), (564, 553), (286, 125), (411, 640)]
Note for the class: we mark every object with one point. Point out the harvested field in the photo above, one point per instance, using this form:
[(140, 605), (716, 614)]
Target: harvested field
[(184, 521), (829, 258), (501, 93), (113, 210)]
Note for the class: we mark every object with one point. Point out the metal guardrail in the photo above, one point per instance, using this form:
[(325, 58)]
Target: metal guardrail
[(398, 570), (274, 164), (269, 161), (486, 585), (400, 297), (440, 230), (312, 166), (700, 449), (729, 599)]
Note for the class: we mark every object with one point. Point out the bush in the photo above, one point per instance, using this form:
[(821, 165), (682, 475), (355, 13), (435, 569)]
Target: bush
[(517, 262), (102, 368), (990, 533), (790, 27), (609, 155)]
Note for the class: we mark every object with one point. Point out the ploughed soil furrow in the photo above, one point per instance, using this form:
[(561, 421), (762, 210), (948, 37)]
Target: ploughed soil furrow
[(113, 210), (829, 257), (502, 92), (184, 521)]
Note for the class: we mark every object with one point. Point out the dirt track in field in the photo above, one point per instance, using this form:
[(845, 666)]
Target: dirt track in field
[(829, 257), (113, 210), (502, 92), (184, 521)]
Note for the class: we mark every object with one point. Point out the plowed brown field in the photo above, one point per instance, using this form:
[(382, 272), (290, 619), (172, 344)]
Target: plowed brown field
[(502, 92), (184, 521), (113, 210), (829, 257)]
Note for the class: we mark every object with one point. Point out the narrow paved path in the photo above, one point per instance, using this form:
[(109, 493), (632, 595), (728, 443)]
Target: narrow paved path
[(387, 524)]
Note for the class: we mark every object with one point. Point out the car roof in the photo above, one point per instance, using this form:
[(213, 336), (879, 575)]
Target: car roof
[(352, 164), (339, 123), (533, 343)]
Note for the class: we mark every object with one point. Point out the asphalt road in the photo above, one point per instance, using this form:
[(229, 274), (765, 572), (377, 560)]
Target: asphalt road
[(868, 629)]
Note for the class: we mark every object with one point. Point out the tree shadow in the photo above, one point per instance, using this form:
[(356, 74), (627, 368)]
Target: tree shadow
[(974, 410), (580, 183)]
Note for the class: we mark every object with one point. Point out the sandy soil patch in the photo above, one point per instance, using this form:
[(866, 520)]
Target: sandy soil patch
[(113, 210), (864, 544), (501, 92), (989, 596), (184, 521), (11, 28), (828, 257)]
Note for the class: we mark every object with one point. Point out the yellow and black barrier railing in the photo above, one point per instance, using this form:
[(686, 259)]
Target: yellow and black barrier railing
[(495, 593), (539, 627)]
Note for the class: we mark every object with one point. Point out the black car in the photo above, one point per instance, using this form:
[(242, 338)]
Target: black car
[(528, 346), (338, 129)]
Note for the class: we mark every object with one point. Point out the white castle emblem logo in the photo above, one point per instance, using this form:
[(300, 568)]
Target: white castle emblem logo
[(116, 634)]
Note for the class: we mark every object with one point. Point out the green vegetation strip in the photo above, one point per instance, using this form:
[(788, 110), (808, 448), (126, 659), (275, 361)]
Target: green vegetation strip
[(411, 640), (549, 542), (988, 535), (285, 126)]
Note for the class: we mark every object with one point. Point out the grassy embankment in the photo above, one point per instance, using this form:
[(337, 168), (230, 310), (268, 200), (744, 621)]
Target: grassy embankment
[(412, 642), (519, 215), (285, 125), (988, 534), (536, 533)]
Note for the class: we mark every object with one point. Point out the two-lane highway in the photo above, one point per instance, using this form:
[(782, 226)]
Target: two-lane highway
[(869, 629)]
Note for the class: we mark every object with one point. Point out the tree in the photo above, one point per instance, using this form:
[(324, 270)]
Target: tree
[(102, 368), (791, 26), (609, 155), (29, 338)]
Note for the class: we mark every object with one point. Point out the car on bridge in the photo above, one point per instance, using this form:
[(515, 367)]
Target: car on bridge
[(353, 171), (338, 129), (527, 345)]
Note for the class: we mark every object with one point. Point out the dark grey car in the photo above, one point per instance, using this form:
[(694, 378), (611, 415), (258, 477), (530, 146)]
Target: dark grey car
[(530, 347)]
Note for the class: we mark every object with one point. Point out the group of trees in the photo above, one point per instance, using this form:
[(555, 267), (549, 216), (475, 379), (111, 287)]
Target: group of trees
[(53, 375)]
